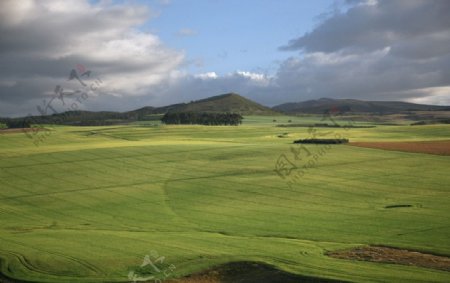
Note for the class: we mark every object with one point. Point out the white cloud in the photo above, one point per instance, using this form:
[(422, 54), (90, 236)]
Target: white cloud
[(46, 39), (208, 75), (378, 50), (252, 76), (433, 95)]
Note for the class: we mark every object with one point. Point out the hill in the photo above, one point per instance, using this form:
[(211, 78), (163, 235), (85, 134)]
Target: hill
[(229, 102), (234, 103), (322, 105)]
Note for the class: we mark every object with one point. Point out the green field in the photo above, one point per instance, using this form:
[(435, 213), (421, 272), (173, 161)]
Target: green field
[(89, 203)]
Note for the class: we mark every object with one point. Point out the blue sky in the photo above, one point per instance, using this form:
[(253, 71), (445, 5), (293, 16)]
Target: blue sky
[(159, 52), (230, 35)]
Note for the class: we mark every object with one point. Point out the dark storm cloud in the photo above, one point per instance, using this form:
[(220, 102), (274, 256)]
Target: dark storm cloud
[(370, 26), (387, 50), (378, 50), (42, 41)]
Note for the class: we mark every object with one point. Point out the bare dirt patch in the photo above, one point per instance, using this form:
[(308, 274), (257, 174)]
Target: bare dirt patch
[(430, 147), (248, 272), (395, 256)]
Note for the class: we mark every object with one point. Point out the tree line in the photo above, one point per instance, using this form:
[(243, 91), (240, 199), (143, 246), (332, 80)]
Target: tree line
[(211, 119), (16, 123)]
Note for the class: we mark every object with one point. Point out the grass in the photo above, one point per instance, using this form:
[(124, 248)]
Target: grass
[(89, 203)]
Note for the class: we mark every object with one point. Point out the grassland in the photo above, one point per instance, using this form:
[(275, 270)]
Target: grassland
[(89, 203)]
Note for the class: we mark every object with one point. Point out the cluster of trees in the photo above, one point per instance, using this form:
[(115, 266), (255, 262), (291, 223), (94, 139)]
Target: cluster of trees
[(434, 121), (202, 118), (74, 118), (17, 123), (322, 141)]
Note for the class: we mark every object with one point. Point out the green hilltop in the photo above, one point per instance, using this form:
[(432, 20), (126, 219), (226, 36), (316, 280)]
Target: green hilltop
[(229, 102), (235, 103), (225, 103)]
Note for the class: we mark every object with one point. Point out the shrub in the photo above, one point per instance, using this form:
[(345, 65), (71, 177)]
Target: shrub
[(322, 141)]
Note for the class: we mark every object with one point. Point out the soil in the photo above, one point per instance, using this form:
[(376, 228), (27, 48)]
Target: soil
[(394, 256), (430, 147)]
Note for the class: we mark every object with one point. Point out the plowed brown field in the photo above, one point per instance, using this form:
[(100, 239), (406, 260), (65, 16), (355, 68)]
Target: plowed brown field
[(393, 255), (430, 147)]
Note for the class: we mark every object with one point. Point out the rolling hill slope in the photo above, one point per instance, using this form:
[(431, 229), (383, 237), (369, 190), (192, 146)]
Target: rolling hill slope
[(234, 103), (322, 105), (93, 204), (229, 102)]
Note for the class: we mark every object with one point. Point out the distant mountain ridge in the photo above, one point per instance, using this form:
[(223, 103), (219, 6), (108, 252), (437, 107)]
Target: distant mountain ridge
[(319, 106), (230, 103)]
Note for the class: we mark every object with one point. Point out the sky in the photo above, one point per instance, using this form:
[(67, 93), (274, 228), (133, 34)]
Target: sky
[(122, 55)]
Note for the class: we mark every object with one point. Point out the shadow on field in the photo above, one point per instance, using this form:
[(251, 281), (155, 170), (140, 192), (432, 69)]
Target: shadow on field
[(248, 272), (234, 272), (4, 279)]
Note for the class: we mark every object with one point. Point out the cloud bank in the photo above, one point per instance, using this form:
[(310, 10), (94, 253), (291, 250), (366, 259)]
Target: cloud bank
[(41, 41), (384, 50), (378, 50)]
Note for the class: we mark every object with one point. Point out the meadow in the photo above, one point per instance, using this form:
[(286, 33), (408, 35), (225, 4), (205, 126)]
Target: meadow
[(88, 204)]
